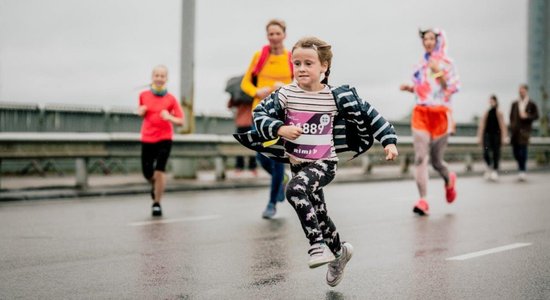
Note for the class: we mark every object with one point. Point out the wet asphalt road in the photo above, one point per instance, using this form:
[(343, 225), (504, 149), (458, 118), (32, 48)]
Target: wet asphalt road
[(214, 245)]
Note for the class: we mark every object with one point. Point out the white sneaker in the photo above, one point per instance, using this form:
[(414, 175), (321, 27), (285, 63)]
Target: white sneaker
[(494, 176), (319, 254), (335, 271), (522, 176)]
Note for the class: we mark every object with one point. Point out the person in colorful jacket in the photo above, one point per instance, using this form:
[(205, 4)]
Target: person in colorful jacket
[(434, 82), (312, 122), (159, 110), (269, 69)]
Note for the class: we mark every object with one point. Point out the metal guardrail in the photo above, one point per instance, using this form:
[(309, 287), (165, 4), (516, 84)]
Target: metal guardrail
[(83, 146), (28, 117)]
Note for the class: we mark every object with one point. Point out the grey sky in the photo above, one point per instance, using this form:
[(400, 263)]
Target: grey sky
[(102, 52)]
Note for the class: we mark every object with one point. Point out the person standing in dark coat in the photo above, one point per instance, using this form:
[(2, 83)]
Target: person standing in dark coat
[(522, 114), (491, 135)]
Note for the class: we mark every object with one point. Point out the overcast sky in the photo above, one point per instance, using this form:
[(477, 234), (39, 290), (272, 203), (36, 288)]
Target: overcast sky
[(101, 52)]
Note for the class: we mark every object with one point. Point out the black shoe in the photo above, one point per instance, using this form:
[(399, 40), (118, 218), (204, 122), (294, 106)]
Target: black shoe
[(156, 210)]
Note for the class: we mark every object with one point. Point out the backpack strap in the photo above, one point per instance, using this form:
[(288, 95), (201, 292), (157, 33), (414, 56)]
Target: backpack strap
[(264, 55), (262, 60)]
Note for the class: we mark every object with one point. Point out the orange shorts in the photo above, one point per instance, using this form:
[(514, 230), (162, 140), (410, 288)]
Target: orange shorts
[(436, 120)]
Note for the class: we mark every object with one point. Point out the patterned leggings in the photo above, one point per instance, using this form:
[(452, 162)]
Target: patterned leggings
[(424, 147), (305, 194)]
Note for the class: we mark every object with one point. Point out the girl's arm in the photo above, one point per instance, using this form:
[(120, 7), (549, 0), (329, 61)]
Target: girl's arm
[(266, 121), (246, 85), (169, 117)]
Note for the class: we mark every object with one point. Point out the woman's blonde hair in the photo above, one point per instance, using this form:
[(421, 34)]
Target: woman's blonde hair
[(322, 48)]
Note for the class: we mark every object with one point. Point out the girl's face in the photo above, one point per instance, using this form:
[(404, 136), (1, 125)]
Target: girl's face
[(160, 77), (275, 35), (429, 41), (308, 69)]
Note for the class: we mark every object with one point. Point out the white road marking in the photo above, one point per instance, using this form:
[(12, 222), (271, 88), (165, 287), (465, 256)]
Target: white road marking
[(166, 221), (489, 251)]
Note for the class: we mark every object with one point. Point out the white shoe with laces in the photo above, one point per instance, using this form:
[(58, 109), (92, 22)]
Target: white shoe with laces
[(335, 271), (494, 176), (319, 254)]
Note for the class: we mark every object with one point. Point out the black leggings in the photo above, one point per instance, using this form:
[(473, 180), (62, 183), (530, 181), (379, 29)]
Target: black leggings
[(154, 157), (491, 150), (305, 194)]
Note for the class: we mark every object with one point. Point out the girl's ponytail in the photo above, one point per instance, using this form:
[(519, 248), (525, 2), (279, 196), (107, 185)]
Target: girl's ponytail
[(325, 80)]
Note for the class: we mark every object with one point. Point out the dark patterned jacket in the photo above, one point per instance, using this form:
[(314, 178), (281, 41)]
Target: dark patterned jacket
[(356, 124)]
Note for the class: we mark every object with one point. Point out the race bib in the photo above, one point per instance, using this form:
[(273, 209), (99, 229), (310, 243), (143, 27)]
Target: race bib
[(316, 139)]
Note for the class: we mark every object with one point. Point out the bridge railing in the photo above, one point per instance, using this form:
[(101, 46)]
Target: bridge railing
[(82, 147)]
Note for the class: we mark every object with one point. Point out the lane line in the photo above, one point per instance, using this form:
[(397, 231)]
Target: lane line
[(167, 221), (489, 251)]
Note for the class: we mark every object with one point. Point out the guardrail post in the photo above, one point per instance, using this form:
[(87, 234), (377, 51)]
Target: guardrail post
[(405, 163), (219, 164), (468, 161), (366, 165), (81, 172)]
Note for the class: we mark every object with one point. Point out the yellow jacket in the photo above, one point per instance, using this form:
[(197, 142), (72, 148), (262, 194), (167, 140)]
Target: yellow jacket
[(276, 69)]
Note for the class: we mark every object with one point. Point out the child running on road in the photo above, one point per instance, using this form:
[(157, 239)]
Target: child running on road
[(313, 122), (434, 82), (159, 109)]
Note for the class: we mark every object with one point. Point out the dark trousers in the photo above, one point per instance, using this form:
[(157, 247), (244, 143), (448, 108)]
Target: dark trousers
[(240, 163), (491, 150), (520, 154), (277, 172)]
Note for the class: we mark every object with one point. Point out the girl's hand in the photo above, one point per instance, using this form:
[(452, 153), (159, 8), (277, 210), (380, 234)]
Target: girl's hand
[(434, 66), (391, 151), (289, 132), (165, 115), (142, 110), (406, 87)]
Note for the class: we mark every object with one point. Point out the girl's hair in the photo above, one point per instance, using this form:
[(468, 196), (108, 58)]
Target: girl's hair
[(277, 22), (422, 33), (494, 98), (323, 51), (163, 67)]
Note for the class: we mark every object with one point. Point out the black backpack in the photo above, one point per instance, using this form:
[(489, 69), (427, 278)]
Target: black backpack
[(233, 87)]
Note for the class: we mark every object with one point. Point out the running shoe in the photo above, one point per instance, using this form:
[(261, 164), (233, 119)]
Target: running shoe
[(156, 210), (319, 254), (450, 190), (421, 207), (336, 267), (269, 212)]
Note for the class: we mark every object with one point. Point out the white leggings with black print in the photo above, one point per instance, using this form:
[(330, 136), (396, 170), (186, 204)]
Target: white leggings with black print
[(305, 194)]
